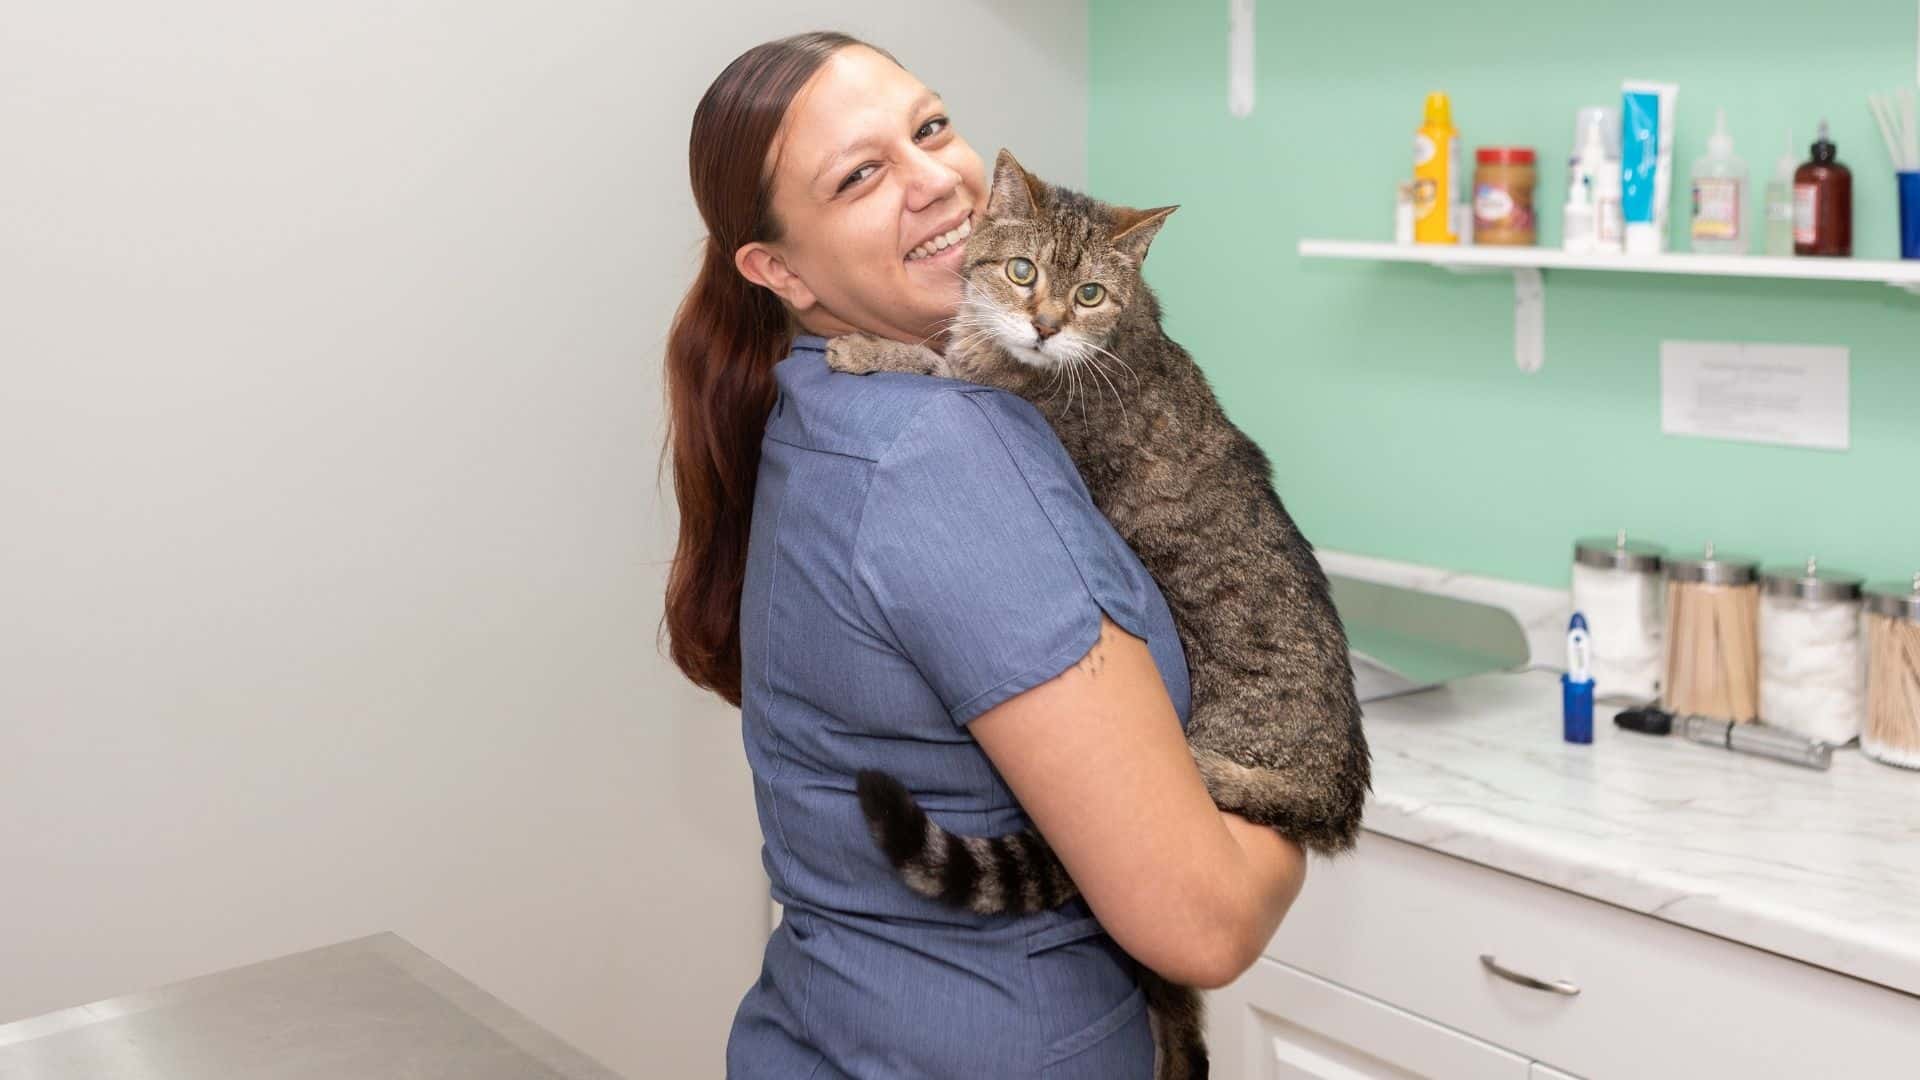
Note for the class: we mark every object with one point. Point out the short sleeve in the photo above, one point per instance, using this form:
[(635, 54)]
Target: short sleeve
[(980, 555)]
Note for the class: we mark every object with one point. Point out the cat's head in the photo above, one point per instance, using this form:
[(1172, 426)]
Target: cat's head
[(1050, 271)]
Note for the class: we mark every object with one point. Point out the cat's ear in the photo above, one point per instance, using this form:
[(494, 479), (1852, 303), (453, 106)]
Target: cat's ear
[(1133, 230), (1016, 192)]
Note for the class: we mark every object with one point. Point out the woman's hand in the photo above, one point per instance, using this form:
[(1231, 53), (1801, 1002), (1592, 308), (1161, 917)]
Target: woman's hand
[(1097, 759)]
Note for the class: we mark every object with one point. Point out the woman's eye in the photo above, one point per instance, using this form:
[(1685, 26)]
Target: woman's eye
[(856, 176), (1090, 294), (932, 127), (1020, 271)]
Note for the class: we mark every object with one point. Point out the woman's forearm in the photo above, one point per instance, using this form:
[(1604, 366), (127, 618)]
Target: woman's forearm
[(1273, 869), (1097, 758)]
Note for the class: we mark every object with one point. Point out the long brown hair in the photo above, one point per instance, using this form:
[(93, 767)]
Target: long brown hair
[(725, 340)]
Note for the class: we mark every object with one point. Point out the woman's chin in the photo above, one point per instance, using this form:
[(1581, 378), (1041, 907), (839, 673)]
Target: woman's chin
[(938, 299)]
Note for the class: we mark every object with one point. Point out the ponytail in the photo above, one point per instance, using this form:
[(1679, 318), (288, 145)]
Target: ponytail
[(725, 340)]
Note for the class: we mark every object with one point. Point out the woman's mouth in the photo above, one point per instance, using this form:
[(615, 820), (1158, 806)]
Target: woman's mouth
[(951, 240)]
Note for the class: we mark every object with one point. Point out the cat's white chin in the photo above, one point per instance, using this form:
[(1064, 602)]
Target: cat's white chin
[(1031, 355)]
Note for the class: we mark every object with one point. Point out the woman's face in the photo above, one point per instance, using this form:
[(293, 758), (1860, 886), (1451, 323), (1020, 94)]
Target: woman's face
[(870, 179)]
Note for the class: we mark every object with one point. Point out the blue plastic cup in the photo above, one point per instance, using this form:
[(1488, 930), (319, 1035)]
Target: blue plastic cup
[(1909, 214), (1576, 710)]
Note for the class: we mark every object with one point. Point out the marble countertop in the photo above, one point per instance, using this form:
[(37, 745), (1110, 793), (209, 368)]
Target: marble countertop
[(1823, 867)]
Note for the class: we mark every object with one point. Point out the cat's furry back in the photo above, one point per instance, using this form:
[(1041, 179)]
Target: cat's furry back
[(1275, 723)]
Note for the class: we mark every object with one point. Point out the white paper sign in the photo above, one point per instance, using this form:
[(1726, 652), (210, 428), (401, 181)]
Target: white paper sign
[(1790, 395)]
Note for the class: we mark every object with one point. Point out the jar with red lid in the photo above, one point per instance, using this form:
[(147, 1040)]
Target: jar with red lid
[(1503, 179)]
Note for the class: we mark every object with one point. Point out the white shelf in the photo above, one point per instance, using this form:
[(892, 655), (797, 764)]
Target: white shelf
[(1904, 274), (1527, 264)]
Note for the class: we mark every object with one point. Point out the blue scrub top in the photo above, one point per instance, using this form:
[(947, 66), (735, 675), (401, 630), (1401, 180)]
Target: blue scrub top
[(922, 550)]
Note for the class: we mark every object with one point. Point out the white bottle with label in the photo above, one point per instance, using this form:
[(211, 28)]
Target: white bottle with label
[(1720, 196), (1606, 210), (1580, 218)]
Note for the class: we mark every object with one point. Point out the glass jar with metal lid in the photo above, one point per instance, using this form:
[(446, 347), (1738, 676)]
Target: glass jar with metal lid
[(1812, 659), (1892, 731), (1713, 637), (1616, 585)]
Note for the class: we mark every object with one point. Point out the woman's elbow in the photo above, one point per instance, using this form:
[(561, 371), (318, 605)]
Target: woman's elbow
[(1231, 936), (1220, 961), (1211, 957)]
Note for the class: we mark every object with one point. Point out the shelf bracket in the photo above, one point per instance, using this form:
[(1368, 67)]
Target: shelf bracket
[(1529, 319), (1529, 313)]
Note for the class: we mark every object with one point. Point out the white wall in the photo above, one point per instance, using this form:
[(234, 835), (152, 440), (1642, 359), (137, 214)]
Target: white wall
[(330, 538)]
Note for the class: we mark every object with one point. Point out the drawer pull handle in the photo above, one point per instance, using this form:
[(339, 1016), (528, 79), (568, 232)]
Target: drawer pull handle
[(1551, 986)]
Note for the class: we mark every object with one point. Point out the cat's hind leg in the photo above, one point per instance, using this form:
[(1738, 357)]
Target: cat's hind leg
[(1317, 808)]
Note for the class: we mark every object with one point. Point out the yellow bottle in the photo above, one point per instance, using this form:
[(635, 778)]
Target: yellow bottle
[(1436, 174)]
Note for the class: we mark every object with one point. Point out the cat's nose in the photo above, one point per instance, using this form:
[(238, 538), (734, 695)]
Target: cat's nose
[(1045, 325)]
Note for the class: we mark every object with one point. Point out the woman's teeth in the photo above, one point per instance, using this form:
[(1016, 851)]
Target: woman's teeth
[(944, 241)]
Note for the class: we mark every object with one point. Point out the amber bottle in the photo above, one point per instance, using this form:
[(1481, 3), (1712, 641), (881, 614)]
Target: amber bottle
[(1823, 202)]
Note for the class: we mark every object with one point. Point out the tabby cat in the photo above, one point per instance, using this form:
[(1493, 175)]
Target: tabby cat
[(1054, 310)]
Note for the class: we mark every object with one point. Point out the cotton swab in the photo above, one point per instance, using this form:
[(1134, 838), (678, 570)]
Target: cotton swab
[(1913, 132), (1894, 115)]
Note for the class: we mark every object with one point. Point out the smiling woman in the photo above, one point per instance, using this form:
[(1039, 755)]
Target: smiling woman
[(906, 574)]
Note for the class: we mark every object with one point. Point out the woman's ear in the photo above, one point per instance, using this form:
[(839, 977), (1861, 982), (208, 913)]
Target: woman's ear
[(764, 267)]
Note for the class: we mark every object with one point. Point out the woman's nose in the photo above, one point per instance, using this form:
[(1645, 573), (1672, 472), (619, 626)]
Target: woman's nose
[(931, 180)]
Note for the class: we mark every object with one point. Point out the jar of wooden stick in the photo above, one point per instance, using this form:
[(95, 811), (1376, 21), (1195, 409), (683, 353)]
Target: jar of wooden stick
[(1892, 731), (1813, 674), (1713, 648)]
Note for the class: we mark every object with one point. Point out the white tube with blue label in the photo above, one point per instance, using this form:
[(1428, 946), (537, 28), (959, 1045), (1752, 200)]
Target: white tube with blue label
[(1646, 162)]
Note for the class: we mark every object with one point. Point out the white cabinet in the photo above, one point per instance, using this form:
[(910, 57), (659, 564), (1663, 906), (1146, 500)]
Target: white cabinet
[(1278, 1023), (1378, 971)]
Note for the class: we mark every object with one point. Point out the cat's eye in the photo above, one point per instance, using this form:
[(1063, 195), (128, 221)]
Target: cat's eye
[(1020, 271), (1090, 294)]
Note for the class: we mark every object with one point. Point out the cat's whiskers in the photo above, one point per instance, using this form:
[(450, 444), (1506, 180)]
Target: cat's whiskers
[(945, 326), (1124, 366), (965, 319), (1099, 368), (1073, 370)]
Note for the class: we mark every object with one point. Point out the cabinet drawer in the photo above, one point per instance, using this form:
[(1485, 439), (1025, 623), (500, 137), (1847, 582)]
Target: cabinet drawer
[(1278, 1023), (1409, 927)]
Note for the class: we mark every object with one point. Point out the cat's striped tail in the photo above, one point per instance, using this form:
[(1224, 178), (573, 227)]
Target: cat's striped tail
[(1014, 874)]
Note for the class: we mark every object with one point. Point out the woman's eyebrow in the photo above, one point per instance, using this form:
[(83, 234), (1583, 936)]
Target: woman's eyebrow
[(924, 100)]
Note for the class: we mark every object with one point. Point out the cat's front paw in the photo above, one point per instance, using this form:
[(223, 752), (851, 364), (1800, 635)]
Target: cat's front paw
[(864, 354)]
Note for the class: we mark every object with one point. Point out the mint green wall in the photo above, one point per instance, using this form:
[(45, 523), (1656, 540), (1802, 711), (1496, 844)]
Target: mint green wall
[(1387, 395)]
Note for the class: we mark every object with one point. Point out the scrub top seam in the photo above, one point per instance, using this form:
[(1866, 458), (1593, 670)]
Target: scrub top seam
[(821, 450), (773, 696)]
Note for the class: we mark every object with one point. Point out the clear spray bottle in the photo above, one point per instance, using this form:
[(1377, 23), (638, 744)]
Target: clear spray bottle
[(1779, 239), (1720, 196)]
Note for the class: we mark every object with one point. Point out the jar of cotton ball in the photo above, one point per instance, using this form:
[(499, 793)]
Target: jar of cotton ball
[(1616, 585), (1892, 732), (1812, 658), (1713, 662)]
